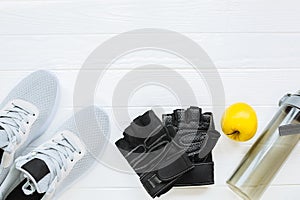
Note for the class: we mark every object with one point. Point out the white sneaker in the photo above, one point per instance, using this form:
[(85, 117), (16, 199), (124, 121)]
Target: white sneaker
[(24, 114), (50, 168)]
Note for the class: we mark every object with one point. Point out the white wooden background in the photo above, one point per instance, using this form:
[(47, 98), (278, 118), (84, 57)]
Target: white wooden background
[(255, 45)]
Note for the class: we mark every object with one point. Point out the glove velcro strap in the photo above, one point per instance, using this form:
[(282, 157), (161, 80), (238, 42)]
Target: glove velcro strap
[(201, 174), (162, 180)]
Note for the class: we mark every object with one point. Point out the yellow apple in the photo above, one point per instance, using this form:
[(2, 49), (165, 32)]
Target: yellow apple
[(239, 122)]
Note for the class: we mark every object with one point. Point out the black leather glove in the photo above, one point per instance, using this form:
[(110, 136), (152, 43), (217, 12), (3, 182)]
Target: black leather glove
[(151, 150), (196, 133)]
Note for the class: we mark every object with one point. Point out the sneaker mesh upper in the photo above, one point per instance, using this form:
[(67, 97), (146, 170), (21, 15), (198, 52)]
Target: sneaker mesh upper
[(40, 89), (92, 127)]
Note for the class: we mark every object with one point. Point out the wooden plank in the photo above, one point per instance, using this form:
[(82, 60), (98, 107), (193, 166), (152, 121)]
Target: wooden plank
[(253, 86), (139, 193), (227, 51), (67, 17), (275, 192)]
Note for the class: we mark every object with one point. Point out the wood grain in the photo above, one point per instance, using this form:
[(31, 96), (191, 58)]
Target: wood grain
[(67, 17), (227, 50)]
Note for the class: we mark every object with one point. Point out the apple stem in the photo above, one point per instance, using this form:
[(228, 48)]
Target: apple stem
[(235, 132)]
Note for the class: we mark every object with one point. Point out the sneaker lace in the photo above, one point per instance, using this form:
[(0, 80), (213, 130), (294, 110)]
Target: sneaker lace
[(13, 122), (56, 154)]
